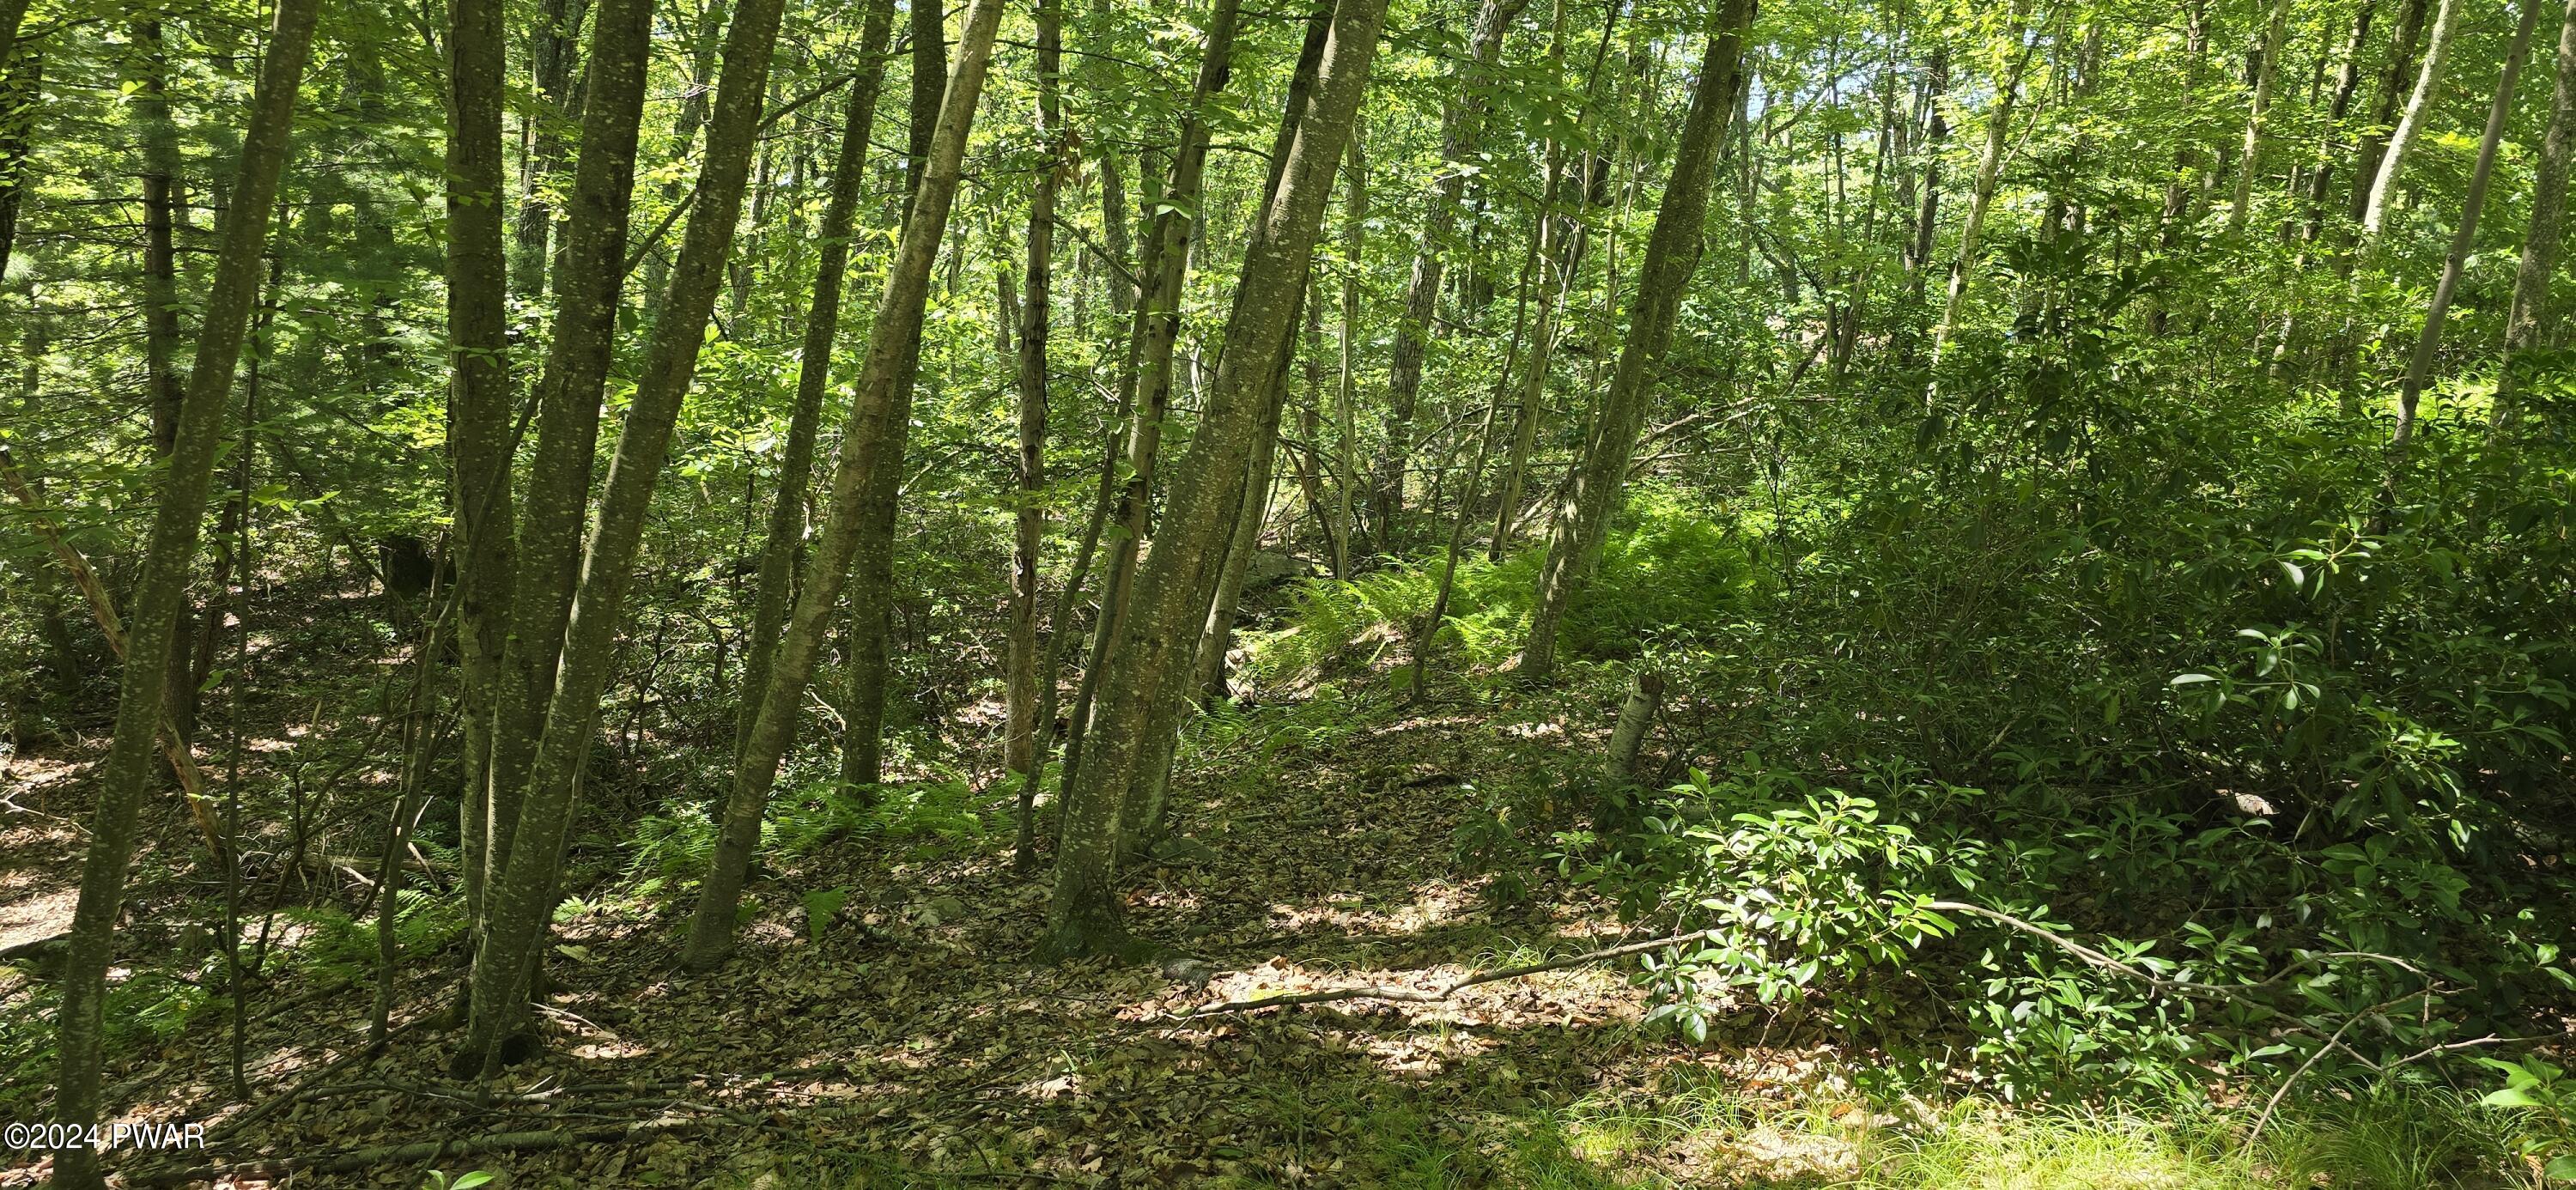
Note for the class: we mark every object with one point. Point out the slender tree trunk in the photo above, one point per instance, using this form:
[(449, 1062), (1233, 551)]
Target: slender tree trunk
[(1355, 208), (2529, 322), (1460, 120), (1024, 853), (2383, 189), (1562, 238), (813, 372), (1156, 321), (1672, 255), (2320, 180), (162, 587), (591, 273), (2374, 214), (478, 400), (1216, 634), (1990, 164), (1029, 520), (1309, 457), (1084, 916), (2266, 69), (553, 49), (162, 220), (1927, 222), (871, 587), (13, 13), (2428, 344), (896, 331), (520, 898)]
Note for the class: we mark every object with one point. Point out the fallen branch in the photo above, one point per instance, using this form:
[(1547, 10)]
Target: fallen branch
[(1471, 979)]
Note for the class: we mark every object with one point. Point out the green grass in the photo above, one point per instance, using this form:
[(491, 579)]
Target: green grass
[(1712, 1135)]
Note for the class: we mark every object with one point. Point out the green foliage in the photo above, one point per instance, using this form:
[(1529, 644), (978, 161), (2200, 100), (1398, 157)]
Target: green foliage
[(1667, 569), (670, 850)]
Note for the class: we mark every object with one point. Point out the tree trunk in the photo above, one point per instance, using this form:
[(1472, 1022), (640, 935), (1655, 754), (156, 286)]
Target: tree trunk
[(2403, 42), (1216, 634), (2266, 69), (2419, 367), (1990, 164), (552, 48), (162, 220), (2527, 326), (1461, 117), (2374, 215), (1028, 534), (521, 897), (813, 372), (1355, 208), (1563, 237), (1672, 255), (591, 273), (13, 13), (871, 617), (1084, 916), (162, 585), (896, 331), (1024, 852), (1148, 384), (1927, 222), (478, 399)]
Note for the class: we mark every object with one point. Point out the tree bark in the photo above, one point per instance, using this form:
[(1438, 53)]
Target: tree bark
[(2374, 213), (2266, 69), (553, 51), (1672, 255), (521, 897), (2403, 42), (813, 371), (896, 331), (871, 587), (1927, 222), (162, 584), (591, 273), (2419, 367), (1028, 533), (1990, 164), (21, 86), (2529, 322), (1355, 214), (162, 220), (1147, 387), (1084, 914), (478, 400), (1461, 117)]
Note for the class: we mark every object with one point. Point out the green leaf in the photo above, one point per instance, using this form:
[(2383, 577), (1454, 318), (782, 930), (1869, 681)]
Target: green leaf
[(2509, 1097)]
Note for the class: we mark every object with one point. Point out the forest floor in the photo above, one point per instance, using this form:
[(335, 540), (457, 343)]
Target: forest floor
[(882, 1023), (905, 1037)]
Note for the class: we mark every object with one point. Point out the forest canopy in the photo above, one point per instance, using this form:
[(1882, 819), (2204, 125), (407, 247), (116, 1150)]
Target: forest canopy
[(1374, 592)]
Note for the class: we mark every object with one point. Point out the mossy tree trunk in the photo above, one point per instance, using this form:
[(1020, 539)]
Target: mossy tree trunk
[(520, 897), (896, 331), (162, 584), (1084, 916), (1672, 255)]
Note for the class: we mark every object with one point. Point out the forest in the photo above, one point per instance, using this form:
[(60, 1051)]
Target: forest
[(765, 594)]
